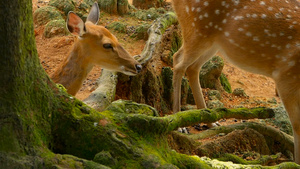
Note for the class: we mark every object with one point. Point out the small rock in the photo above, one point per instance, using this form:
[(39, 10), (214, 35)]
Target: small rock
[(272, 101), (222, 134), (214, 104), (214, 95), (239, 92)]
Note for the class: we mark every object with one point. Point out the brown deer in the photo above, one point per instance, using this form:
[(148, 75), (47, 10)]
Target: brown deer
[(95, 45), (261, 36)]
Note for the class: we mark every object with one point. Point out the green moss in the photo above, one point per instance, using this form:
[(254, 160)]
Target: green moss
[(167, 20), (8, 141), (130, 107), (105, 158), (191, 117), (45, 14), (225, 83), (183, 161), (264, 160), (176, 42), (93, 165)]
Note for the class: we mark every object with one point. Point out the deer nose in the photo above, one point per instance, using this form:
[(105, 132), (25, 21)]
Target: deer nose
[(138, 68)]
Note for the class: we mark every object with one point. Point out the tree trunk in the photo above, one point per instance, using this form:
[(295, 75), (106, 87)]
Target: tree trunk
[(26, 95), (24, 86), (114, 6), (146, 4), (109, 6), (123, 7)]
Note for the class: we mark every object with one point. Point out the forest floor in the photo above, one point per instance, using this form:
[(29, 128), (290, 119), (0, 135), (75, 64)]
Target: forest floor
[(52, 52)]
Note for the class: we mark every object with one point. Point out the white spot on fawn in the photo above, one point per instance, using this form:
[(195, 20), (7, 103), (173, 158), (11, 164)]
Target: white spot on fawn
[(262, 3), (249, 34), (187, 9)]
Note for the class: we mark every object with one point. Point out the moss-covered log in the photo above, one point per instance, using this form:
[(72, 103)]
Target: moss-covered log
[(169, 123)]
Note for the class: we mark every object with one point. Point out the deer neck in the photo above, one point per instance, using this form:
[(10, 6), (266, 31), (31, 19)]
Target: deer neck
[(73, 70)]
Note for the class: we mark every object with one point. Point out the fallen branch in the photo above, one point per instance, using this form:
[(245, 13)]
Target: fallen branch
[(156, 32)]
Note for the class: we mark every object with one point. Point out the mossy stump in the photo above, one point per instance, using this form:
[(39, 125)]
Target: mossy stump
[(55, 28)]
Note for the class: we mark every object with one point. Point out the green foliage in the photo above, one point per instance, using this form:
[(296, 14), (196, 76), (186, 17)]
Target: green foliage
[(63, 5), (176, 42), (118, 26), (45, 14), (141, 32), (150, 14)]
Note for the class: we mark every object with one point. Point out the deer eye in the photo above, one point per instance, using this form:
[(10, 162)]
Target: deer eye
[(107, 46)]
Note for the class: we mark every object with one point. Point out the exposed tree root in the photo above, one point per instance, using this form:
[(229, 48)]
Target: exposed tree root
[(105, 92), (192, 117), (285, 140)]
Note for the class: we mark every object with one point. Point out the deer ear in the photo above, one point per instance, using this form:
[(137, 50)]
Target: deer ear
[(94, 14), (75, 24)]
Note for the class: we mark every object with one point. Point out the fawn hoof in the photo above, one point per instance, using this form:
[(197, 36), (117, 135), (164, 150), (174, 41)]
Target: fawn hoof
[(138, 68), (212, 125)]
